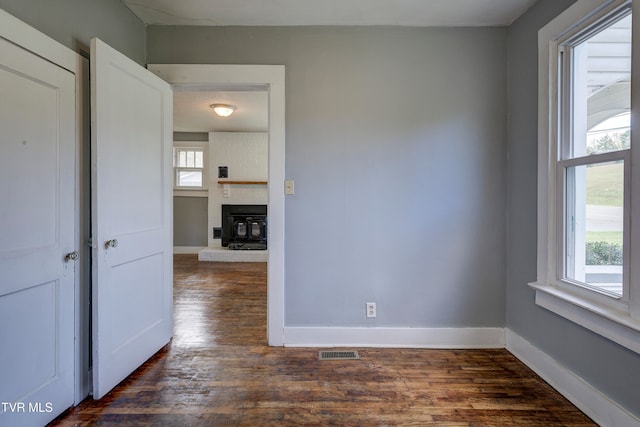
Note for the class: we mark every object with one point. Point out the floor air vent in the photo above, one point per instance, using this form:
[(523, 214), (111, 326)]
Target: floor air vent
[(338, 355)]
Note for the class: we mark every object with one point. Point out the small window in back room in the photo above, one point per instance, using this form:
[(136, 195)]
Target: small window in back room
[(189, 167)]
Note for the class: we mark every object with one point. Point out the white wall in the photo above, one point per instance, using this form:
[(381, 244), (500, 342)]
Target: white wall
[(246, 156)]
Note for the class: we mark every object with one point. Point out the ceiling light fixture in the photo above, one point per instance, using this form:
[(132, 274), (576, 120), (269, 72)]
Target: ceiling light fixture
[(223, 110)]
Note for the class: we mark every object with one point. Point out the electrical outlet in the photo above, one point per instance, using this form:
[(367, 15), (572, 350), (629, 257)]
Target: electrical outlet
[(371, 309)]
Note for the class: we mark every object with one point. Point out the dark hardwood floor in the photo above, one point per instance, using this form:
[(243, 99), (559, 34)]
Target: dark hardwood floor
[(218, 371)]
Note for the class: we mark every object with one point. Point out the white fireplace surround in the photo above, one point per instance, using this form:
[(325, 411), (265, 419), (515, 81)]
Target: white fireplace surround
[(246, 154)]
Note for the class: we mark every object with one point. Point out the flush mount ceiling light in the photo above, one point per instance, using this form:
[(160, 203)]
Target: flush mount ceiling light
[(223, 110)]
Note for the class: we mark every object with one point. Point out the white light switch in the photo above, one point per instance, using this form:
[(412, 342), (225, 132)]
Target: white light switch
[(289, 187)]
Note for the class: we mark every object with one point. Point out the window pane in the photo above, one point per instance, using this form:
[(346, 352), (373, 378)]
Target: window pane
[(189, 179), (594, 225), (182, 159), (601, 91), (199, 159), (613, 134), (191, 159)]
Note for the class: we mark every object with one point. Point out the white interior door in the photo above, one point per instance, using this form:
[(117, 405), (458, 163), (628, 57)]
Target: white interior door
[(37, 223), (131, 145)]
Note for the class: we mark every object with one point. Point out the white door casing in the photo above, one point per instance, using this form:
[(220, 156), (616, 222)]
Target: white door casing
[(132, 215), (38, 146)]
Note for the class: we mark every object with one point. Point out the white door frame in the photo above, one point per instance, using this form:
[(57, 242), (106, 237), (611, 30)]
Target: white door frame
[(30, 39), (271, 77)]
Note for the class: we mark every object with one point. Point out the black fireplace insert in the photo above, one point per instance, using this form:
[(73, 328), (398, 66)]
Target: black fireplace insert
[(244, 227)]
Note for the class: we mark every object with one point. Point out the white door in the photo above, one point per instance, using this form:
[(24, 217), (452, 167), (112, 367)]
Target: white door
[(131, 143), (37, 223)]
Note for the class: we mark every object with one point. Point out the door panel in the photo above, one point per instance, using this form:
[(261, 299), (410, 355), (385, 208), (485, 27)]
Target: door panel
[(136, 152), (31, 362), (132, 215), (33, 148), (37, 223), (137, 279)]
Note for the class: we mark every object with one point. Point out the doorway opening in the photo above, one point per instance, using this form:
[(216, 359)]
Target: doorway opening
[(219, 161), (248, 78)]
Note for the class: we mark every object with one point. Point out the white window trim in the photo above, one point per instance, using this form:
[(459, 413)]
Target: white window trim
[(191, 191), (615, 319)]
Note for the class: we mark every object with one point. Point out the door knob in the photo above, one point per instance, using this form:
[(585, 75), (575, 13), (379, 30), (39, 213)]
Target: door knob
[(113, 243), (71, 256)]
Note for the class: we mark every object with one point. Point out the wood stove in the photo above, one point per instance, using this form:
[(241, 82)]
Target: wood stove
[(244, 227)]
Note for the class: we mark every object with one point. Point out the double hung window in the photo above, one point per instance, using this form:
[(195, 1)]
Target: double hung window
[(189, 167), (588, 263), (593, 154)]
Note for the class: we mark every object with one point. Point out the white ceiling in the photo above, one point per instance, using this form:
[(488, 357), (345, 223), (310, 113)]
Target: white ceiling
[(414, 13), (191, 111), (191, 108)]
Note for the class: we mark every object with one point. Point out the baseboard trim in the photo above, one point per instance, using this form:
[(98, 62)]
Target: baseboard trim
[(454, 338), (581, 393)]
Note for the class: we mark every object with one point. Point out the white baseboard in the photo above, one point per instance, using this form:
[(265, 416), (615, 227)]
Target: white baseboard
[(582, 394), (394, 337), (187, 249)]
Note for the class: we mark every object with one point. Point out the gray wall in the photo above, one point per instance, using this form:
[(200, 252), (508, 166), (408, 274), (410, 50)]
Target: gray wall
[(190, 213), (74, 22), (396, 140), (612, 369), (190, 221)]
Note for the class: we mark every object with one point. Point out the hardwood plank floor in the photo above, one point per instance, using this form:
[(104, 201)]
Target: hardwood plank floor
[(218, 371)]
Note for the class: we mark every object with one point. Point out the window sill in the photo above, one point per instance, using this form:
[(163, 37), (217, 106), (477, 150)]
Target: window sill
[(613, 324), (183, 192)]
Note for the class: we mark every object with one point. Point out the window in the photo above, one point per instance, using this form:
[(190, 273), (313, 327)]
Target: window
[(586, 255), (593, 155), (189, 167)]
